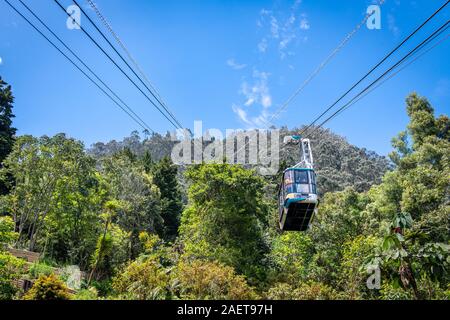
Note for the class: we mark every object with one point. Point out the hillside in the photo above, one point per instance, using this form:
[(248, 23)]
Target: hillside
[(338, 163)]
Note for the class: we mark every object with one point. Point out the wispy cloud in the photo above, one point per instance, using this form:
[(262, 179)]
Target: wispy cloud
[(242, 115), (304, 24), (282, 29), (234, 65), (262, 45), (392, 25), (1, 61), (257, 99)]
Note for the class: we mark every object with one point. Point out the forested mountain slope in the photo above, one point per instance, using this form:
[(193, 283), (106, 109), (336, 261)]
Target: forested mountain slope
[(339, 164)]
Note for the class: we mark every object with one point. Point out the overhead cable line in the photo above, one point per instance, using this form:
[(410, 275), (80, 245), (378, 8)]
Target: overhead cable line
[(127, 64), (76, 66), (115, 63), (87, 67), (398, 71), (341, 45), (410, 53), (324, 63), (108, 26), (374, 68)]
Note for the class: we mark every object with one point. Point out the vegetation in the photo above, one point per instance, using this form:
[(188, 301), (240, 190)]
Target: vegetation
[(48, 288), (140, 227)]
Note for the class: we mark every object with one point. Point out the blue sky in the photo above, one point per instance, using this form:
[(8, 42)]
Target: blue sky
[(228, 63)]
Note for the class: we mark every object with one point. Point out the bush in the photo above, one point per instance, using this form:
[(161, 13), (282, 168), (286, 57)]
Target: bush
[(11, 268), (39, 269), (7, 234), (390, 291), (212, 281), (305, 291), (48, 288), (86, 294), (143, 280)]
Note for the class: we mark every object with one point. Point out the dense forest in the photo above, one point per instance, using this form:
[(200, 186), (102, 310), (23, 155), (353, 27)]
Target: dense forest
[(120, 221)]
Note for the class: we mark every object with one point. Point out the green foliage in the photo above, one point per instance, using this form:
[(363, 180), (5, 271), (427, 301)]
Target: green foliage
[(11, 268), (304, 291), (140, 203), (7, 131), (55, 198), (165, 177), (86, 294), (7, 234), (48, 288), (291, 254), (143, 279), (38, 269), (210, 280), (394, 292), (225, 217), (353, 273), (117, 215)]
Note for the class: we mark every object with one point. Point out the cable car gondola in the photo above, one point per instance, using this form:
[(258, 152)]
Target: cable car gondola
[(298, 200)]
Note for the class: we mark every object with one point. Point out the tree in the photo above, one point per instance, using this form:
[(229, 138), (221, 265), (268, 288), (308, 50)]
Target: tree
[(291, 254), (112, 245), (165, 177), (225, 218), (7, 131), (139, 196), (55, 198), (147, 161)]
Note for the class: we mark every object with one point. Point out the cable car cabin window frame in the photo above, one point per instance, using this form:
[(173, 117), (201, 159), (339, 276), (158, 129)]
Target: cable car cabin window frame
[(295, 183)]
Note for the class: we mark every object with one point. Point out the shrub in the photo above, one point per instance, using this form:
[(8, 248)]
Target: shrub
[(11, 268), (48, 288), (39, 269), (87, 294), (7, 234), (206, 280), (143, 280), (305, 291), (390, 291)]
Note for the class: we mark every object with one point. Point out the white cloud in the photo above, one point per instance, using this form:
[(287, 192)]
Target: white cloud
[(259, 91), (283, 29), (234, 65), (1, 61), (304, 24), (393, 26), (255, 94), (274, 27), (262, 45), (266, 101), (241, 114)]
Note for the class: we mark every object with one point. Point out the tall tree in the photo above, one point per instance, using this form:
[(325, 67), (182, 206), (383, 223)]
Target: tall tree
[(140, 197), (225, 218), (7, 131), (165, 177), (55, 197)]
